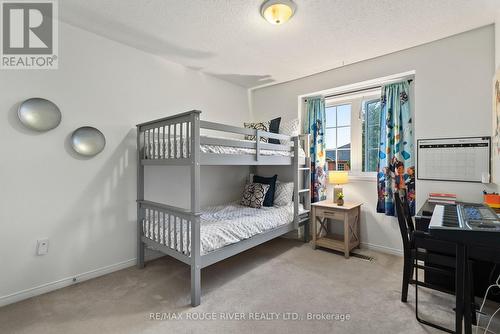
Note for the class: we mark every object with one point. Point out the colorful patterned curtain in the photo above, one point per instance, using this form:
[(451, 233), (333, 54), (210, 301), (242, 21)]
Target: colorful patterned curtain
[(396, 167), (314, 125)]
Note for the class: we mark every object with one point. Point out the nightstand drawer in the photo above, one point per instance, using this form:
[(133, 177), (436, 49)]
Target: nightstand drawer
[(329, 213)]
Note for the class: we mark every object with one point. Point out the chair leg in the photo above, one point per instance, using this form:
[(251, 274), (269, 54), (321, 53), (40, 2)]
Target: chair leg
[(472, 294), (407, 274), (422, 321)]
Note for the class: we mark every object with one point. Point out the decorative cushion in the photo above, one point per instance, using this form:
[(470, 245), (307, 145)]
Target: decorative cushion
[(258, 126), (283, 194), (274, 127), (289, 128), (271, 181), (254, 194)]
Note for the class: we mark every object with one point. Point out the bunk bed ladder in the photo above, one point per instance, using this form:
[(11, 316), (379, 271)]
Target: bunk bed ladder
[(306, 169), (304, 173), (307, 183), (296, 194), (301, 179)]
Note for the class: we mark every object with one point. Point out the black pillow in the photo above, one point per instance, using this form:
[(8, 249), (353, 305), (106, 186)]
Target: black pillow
[(274, 127), (271, 181)]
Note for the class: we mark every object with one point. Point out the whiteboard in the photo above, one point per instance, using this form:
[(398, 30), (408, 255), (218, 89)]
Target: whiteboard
[(454, 159)]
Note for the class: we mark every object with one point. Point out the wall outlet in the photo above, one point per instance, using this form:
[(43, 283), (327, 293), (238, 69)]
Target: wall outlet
[(42, 246)]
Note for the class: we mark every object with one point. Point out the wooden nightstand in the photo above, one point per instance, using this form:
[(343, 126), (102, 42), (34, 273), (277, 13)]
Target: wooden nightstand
[(349, 214)]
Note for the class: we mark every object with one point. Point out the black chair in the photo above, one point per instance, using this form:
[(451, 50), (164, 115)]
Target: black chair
[(422, 251)]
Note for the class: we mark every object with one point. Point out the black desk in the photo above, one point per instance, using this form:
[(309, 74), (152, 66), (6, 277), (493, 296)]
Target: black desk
[(483, 260), (466, 248), (423, 216)]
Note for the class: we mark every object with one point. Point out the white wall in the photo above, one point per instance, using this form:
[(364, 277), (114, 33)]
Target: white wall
[(87, 206), (497, 41), (452, 98)]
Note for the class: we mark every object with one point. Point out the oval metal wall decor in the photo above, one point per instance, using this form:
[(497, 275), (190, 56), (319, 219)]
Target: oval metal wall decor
[(39, 114), (88, 141)]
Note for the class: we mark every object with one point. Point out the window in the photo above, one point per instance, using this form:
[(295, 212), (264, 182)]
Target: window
[(371, 135), (338, 137), (352, 132)]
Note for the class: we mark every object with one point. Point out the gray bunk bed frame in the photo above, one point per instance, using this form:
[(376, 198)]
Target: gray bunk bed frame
[(180, 140)]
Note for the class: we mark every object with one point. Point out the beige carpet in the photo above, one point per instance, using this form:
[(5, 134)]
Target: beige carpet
[(282, 276)]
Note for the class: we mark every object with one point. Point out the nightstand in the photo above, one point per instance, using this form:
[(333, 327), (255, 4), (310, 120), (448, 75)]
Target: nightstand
[(348, 214)]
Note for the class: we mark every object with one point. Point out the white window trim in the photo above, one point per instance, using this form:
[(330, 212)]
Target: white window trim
[(357, 113), (362, 176)]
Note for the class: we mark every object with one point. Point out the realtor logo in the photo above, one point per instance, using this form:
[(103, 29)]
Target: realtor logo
[(29, 34)]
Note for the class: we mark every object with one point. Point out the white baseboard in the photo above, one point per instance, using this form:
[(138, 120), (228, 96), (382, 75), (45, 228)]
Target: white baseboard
[(51, 286), (62, 283), (383, 249)]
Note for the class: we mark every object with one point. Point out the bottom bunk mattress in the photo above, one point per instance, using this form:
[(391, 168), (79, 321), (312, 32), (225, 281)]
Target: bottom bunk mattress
[(220, 226)]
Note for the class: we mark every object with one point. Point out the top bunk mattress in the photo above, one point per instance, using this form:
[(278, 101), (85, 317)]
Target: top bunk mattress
[(220, 226), (159, 148)]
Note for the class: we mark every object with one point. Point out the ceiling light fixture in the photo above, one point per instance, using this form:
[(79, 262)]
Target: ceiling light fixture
[(277, 11)]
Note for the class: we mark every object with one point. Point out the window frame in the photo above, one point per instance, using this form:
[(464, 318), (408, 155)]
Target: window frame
[(366, 102), (358, 103)]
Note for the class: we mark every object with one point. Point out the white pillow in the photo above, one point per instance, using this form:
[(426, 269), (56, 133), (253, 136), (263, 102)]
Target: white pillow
[(289, 128), (283, 194), (254, 194)]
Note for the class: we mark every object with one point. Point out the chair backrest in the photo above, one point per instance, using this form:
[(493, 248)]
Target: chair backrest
[(405, 221)]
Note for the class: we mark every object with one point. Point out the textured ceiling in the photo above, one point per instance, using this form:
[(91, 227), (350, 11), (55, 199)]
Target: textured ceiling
[(229, 38)]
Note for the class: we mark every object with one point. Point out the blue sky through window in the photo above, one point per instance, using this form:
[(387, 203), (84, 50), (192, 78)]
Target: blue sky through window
[(338, 130), (338, 137)]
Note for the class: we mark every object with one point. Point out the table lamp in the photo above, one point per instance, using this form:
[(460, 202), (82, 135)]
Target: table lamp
[(337, 178)]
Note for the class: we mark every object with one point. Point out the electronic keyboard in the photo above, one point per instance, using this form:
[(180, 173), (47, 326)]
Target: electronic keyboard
[(467, 223), (472, 217)]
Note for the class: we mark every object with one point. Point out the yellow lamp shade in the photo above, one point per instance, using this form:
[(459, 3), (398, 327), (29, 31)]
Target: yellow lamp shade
[(338, 177), (277, 11)]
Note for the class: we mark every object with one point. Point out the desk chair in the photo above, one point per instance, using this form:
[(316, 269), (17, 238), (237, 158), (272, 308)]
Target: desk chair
[(420, 246)]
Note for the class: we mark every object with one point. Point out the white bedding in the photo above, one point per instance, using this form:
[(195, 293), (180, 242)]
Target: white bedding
[(158, 148), (222, 225)]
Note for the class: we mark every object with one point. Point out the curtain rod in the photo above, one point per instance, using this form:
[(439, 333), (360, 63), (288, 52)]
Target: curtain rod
[(355, 91)]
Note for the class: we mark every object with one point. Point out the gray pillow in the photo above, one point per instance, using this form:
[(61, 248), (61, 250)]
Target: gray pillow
[(283, 194), (289, 128), (254, 194)]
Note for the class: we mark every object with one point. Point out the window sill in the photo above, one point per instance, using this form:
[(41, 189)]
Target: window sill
[(367, 177)]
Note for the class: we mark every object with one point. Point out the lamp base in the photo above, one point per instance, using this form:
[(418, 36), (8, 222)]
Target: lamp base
[(336, 191)]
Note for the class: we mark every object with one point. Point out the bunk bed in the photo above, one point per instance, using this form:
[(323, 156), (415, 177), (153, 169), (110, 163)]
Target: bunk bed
[(182, 233)]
